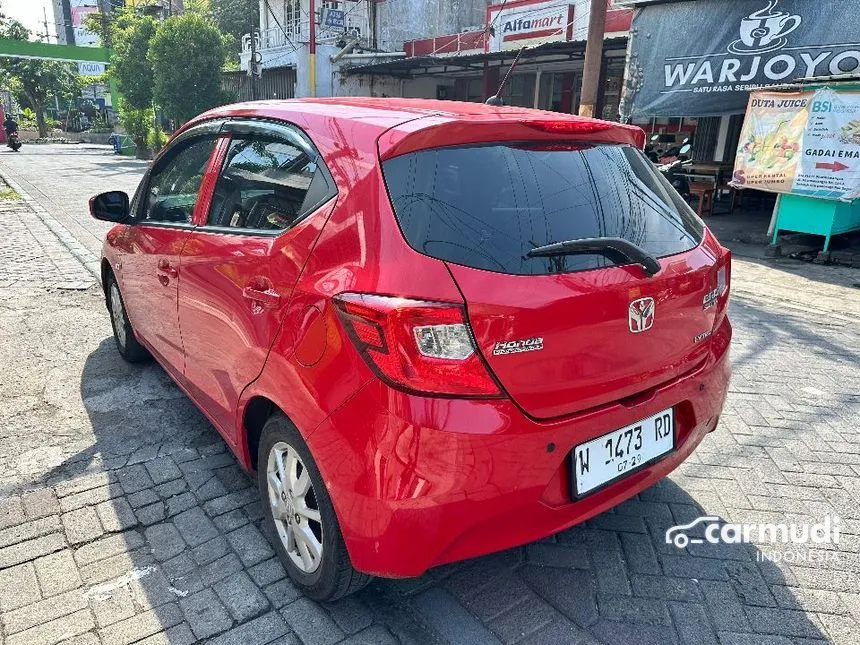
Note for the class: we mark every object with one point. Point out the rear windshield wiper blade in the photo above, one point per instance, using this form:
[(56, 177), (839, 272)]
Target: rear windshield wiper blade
[(606, 246)]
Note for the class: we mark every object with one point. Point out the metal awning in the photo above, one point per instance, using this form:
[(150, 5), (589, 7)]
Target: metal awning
[(442, 65)]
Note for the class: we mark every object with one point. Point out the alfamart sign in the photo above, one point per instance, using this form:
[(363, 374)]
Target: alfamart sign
[(703, 57), (528, 23)]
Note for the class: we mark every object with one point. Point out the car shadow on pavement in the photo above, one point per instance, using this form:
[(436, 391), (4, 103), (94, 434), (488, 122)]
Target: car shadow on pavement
[(770, 330), (165, 530)]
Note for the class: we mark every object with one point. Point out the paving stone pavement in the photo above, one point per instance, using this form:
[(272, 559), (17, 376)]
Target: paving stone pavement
[(123, 518), (30, 254), (62, 178)]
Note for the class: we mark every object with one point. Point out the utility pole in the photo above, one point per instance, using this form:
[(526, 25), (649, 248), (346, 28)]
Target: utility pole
[(103, 9), (312, 48), (593, 59), (45, 23), (252, 64)]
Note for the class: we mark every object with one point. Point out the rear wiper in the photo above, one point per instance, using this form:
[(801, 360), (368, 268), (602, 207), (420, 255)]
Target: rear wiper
[(606, 246)]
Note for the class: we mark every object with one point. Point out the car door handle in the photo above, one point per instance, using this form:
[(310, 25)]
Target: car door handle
[(264, 298), (164, 267)]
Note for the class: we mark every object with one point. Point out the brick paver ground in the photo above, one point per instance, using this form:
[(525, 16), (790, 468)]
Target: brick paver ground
[(30, 254), (62, 178), (124, 519)]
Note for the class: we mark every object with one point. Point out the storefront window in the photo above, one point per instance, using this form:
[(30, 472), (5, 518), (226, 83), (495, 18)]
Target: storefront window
[(469, 89), (520, 91), (559, 91), (610, 92)]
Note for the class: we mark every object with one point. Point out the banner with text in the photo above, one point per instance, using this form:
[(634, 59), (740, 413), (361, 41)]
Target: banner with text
[(805, 143), (703, 58)]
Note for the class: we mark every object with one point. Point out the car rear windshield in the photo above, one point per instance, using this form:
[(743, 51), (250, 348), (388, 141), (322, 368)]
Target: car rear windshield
[(486, 206)]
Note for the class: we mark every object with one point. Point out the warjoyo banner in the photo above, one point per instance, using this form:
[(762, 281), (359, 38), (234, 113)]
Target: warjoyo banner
[(806, 143), (703, 57)]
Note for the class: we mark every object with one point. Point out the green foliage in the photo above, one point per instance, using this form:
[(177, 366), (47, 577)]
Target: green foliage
[(156, 139), (8, 194), (138, 123), (235, 18), (186, 54), (36, 81), (27, 119), (100, 126), (132, 34)]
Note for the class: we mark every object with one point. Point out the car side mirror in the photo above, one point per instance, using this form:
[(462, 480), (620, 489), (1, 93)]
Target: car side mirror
[(112, 206)]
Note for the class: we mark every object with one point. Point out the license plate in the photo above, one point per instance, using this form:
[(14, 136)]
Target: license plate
[(620, 452)]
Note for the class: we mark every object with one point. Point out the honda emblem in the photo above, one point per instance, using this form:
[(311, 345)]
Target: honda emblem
[(640, 315)]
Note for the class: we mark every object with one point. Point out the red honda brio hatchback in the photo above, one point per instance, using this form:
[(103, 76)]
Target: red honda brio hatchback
[(433, 329)]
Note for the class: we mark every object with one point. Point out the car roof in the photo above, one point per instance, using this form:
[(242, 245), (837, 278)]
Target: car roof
[(384, 110), (419, 120), (369, 108)]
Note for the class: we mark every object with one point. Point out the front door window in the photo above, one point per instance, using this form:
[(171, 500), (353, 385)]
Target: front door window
[(174, 184)]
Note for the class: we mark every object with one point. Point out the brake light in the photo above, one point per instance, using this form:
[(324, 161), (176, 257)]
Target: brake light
[(570, 126), (417, 346), (723, 285)]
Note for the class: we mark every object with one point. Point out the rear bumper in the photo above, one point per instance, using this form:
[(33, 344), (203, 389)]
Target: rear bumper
[(418, 482)]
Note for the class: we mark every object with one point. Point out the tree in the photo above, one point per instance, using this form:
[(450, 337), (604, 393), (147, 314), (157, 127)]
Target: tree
[(130, 64), (187, 54), (235, 18), (138, 124), (37, 80)]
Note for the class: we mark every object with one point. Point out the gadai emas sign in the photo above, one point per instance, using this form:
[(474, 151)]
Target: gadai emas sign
[(738, 46)]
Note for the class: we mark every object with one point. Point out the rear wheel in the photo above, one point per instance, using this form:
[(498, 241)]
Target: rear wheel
[(123, 333), (300, 516)]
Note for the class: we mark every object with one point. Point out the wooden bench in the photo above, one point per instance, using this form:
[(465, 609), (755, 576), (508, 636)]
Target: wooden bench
[(704, 192)]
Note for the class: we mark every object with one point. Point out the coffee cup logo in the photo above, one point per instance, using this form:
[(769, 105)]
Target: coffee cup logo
[(765, 30)]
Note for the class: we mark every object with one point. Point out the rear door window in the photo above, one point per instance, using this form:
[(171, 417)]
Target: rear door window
[(487, 206), (267, 184)]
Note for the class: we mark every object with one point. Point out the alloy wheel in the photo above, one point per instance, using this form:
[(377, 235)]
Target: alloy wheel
[(117, 314), (294, 507)]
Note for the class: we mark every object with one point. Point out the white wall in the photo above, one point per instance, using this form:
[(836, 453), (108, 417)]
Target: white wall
[(358, 85), (402, 20)]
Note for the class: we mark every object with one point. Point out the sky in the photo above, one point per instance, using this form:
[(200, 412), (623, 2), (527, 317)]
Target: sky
[(29, 13)]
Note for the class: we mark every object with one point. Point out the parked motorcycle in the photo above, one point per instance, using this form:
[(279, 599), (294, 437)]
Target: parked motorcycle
[(671, 167), (13, 141)]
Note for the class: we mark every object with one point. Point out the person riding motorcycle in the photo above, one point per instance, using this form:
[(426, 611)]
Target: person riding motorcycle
[(10, 125)]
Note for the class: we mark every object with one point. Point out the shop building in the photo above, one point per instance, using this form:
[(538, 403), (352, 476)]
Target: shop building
[(693, 63), (468, 65), (282, 46), (446, 49)]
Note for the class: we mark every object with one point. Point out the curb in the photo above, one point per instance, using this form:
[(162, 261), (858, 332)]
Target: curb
[(87, 258)]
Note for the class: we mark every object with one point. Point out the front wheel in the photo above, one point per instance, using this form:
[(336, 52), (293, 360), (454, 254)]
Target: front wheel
[(300, 515)]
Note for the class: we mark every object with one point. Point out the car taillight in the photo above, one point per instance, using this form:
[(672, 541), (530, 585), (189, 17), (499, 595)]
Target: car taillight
[(570, 126), (418, 346), (723, 284)]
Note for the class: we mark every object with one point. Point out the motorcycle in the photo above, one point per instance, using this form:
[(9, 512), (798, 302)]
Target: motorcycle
[(12, 141), (670, 168)]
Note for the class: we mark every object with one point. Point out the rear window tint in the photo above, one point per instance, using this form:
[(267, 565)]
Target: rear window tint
[(487, 206)]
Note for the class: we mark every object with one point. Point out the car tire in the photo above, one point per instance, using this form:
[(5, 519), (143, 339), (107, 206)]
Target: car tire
[(123, 333), (331, 575)]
